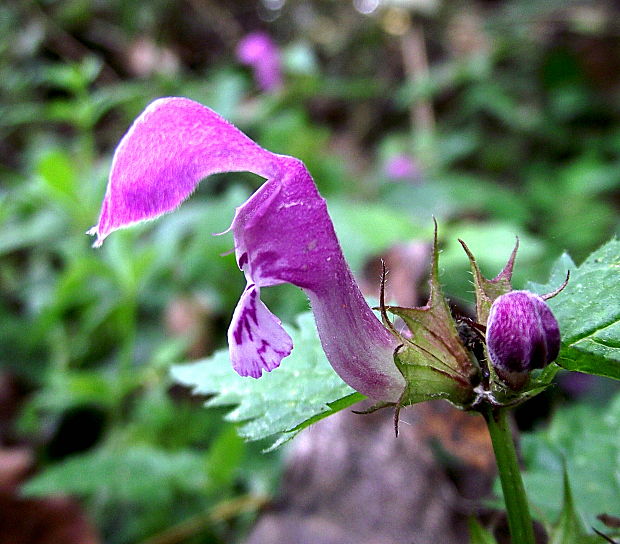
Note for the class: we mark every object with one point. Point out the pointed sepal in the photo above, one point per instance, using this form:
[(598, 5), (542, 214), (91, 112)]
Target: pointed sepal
[(428, 382), (487, 290)]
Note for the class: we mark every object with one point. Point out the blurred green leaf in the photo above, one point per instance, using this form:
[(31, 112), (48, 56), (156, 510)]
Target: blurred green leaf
[(365, 229), (171, 423), (589, 175), (129, 473), (443, 77), (74, 77), (569, 528), (585, 439), (494, 99), (588, 311), (283, 402), (299, 58), (58, 172), (23, 231), (478, 534), (64, 390), (223, 459)]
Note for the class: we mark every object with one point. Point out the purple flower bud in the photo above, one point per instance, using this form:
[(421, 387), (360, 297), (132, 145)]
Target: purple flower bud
[(522, 334), (260, 52)]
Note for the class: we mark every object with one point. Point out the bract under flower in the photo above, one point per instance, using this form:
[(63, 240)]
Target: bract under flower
[(283, 234)]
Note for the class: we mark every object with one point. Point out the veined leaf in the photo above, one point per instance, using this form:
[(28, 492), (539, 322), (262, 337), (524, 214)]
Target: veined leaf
[(301, 391), (584, 439), (588, 311)]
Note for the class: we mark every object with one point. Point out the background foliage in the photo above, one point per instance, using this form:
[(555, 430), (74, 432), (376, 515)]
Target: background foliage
[(511, 120)]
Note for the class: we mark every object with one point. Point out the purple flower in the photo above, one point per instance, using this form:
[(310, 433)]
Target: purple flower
[(402, 167), (260, 52), (282, 234)]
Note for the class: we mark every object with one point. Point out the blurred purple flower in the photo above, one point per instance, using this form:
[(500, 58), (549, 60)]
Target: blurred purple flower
[(402, 167), (260, 52), (282, 234)]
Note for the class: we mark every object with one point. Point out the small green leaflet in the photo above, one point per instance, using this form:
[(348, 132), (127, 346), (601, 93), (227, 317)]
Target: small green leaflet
[(569, 528), (588, 311), (303, 390)]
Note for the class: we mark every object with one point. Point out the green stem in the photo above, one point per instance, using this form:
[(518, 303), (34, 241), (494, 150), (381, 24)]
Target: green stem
[(519, 519)]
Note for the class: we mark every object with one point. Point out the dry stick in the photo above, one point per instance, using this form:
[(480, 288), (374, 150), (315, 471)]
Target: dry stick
[(63, 43), (415, 60), (220, 512), (219, 19)]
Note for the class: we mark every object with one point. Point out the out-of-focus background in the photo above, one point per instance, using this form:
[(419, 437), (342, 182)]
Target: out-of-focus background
[(499, 118)]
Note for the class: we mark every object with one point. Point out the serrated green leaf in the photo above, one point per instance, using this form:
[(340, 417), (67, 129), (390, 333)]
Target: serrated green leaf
[(588, 311), (478, 534), (281, 403), (585, 438)]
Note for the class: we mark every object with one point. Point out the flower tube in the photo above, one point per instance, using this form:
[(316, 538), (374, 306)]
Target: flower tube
[(282, 234)]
